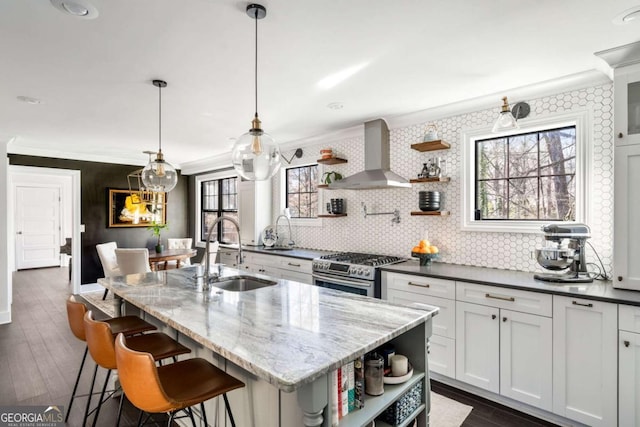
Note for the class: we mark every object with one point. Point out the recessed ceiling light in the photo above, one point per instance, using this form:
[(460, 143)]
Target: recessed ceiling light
[(335, 106), (627, 16), (29, 100), (76, 8)]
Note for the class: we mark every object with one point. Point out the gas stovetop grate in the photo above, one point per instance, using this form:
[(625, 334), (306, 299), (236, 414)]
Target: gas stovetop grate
[(362, 258)]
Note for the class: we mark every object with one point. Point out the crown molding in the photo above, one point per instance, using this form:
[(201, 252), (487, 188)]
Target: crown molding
[(621, 56)]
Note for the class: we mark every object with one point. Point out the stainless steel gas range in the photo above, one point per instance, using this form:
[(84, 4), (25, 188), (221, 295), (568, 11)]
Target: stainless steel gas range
[(353, 272)]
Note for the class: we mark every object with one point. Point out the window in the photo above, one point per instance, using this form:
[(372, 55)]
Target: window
[(302, 191), (528, 176), (219, 197), (518, 181)]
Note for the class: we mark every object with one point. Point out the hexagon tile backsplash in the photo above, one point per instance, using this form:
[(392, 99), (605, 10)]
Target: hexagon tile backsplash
[(377, 234)]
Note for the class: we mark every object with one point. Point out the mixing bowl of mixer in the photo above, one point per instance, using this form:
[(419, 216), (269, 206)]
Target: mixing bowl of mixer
[(555, 258)]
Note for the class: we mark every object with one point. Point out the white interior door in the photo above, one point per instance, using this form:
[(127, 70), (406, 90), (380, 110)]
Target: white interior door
[(37, 226)]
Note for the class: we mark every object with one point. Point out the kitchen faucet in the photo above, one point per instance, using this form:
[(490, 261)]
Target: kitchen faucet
[(207, 250), (291, 242)]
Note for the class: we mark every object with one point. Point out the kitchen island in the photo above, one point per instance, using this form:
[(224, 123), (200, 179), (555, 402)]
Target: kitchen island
[(280, 339)]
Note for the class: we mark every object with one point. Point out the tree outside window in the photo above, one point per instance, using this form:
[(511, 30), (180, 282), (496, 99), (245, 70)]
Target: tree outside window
[(528, 176), (302, 191)]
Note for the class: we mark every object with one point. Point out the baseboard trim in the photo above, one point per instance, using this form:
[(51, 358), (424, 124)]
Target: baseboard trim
[(514, 404), (5, 317), (90, 287)]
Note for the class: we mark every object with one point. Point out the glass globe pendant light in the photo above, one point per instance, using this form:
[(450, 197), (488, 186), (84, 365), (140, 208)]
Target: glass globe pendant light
[(505, 120), (255, 155), (158, 175)]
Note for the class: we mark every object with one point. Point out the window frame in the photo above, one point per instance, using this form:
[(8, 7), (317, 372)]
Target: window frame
[(581, 119), (219, 175), (300, 222)]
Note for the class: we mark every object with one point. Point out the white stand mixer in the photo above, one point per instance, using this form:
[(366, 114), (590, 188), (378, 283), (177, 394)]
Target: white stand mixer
[(564, 248)]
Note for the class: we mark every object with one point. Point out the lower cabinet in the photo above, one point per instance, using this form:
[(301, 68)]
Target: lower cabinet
[(279, 267), (408, 289), (629, 366), (584, 360), (505, 351)]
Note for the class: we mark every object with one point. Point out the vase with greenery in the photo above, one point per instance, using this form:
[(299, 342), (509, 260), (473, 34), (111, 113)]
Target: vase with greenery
[(156, 229)]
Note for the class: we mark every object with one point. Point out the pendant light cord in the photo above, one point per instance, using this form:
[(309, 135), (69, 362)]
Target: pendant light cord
[(256, 63), (159, 118)]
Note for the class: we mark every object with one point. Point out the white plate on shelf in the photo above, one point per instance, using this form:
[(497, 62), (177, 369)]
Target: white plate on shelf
[(390, 379), (269, 236)]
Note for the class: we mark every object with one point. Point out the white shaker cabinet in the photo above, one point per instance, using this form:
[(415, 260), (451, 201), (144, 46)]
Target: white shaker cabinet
[(254, 210), (626, 248), (478, 351), (501, 346), (626, 92), (408, 289), (626, 269), (629, 366), (584, 360)]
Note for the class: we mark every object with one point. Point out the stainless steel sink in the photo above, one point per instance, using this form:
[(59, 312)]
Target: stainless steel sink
[(241, 283), (278, 248)]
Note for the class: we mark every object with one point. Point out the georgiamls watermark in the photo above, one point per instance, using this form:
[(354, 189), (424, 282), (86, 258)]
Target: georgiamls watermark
[(32, 416)]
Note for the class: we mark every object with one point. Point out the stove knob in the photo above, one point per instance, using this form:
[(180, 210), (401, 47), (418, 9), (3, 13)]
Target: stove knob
[(366, 273), (360, 271)]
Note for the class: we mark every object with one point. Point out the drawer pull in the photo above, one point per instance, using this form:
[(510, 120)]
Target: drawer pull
[(581, 304), (512, 299), (493, 316), (422, 285), (504, 319), (294, 265), (626, 343)]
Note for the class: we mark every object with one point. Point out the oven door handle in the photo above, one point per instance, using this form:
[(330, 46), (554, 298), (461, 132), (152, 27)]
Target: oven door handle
[(341, 281)]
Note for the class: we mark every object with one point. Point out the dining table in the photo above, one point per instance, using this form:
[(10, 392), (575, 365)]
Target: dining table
[(177, 255)]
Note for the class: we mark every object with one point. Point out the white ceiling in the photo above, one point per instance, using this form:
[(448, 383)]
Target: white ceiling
[(94, 76)]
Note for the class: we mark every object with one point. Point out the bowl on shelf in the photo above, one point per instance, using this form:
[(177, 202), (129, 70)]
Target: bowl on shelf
[(425, 259)]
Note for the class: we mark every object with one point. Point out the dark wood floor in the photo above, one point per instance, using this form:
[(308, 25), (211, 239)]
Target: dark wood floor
[(486, 413), (40, 357)]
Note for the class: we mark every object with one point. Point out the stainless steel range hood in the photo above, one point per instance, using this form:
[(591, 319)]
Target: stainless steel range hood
[(376, 172)]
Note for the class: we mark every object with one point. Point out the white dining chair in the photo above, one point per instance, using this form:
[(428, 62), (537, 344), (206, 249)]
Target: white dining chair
[(175, 243), (133, 260), (107, 255)]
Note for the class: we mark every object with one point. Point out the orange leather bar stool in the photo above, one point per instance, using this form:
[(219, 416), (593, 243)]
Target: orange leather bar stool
[(100, 341), (128, 325), (170, 388)]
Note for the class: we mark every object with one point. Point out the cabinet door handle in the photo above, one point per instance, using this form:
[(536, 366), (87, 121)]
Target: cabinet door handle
[(422, 285), (493, 316), (626, 343), (294, 265), (582, 304), (619, 278), (620, 135), (512, 299), (504, 319)]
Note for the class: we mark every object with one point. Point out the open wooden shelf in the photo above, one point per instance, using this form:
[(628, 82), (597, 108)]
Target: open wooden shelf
[(332, 161), (431, 213), (431, 145), (434, 179), (331, 215)]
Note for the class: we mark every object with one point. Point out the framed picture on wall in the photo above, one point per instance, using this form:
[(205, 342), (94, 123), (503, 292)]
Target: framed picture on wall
[(127, 210)]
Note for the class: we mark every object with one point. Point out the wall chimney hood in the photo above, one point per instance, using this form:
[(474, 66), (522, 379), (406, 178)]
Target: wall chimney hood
[(376, 172)]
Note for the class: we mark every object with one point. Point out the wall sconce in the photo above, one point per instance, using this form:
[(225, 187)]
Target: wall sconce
[(297, 155), (508, 118)]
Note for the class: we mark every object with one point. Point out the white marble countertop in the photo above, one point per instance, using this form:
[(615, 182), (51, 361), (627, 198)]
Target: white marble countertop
[(288, 334)]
